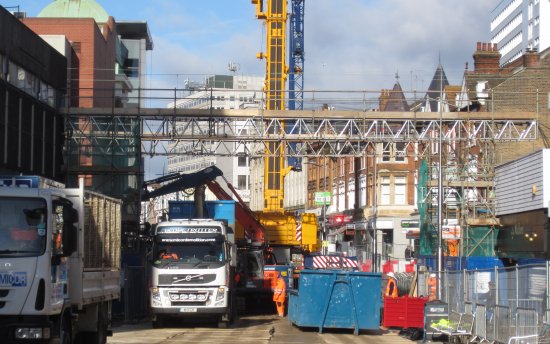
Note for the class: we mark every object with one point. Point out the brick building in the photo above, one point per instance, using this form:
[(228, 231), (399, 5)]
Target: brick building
[(523, 85), (104, 67), (376, 190), (93, 56)]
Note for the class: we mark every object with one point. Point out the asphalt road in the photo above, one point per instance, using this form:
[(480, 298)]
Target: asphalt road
[(255, 329)]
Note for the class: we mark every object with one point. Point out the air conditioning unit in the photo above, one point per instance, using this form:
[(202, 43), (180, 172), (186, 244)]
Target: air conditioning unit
[(20, 15)]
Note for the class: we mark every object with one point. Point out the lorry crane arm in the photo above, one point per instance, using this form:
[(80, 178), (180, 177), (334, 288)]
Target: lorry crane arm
[(175, 182), (179, 182), (253, 230)]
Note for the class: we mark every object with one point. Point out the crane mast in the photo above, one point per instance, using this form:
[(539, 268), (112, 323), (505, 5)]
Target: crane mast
[(297, 58), (274, 14)]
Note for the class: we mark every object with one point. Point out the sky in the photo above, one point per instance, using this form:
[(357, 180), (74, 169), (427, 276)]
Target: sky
[(349, 44)]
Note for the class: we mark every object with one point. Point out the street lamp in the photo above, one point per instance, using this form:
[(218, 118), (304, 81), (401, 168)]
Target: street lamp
[(324, 198)]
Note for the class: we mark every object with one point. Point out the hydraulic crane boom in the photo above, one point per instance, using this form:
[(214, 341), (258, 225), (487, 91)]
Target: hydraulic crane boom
[(251, 227)]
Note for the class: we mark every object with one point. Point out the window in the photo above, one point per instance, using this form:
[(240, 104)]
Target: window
[(386, 153), (385, 191), (131, 68), (395, 152), (12, 73), (242, 161), (241, 182), (400, 151), (400, 190)]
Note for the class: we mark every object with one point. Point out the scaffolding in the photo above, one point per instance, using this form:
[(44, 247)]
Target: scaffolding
[(106, 152), (108, 145), (469, 226)]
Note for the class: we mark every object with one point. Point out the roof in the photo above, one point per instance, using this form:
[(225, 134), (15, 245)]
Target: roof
[(75, 9), (438, 84), (396, 100), (135, 30)]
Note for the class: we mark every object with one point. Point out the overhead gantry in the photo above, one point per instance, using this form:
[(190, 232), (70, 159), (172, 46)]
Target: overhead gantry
[(322, 133)]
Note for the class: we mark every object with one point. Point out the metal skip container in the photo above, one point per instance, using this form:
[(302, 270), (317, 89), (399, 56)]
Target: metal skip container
[(336, 299)]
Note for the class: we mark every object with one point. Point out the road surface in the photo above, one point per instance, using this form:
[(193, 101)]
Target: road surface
[(254, 329)]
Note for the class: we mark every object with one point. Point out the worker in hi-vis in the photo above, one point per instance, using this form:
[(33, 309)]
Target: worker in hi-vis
[(391, 286), (279, 295)]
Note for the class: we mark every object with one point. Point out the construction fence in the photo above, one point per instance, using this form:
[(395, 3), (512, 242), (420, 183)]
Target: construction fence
[(509, 304)]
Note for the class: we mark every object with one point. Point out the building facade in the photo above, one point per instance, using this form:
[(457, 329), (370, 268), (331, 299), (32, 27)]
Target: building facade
[(103, 68), (219, 92), (32, 85), (520, 25)]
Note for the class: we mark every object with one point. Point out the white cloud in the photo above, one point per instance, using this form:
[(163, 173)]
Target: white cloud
[(362, 44), (350, 44)]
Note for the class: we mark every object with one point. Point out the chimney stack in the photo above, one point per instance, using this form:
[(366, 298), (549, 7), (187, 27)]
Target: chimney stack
[(486, 59), (531, 58)]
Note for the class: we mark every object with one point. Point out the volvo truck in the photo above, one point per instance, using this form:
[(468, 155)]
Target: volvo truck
[(192, 271)]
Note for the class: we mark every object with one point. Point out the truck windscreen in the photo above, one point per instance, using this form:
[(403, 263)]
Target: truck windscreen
[(199, 254), (22, 226)]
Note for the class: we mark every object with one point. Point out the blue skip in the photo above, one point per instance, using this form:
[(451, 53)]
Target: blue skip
[(336, 299)]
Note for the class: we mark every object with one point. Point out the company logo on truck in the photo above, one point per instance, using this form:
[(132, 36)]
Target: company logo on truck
[(185, 240), (189, 230), (13, 279)]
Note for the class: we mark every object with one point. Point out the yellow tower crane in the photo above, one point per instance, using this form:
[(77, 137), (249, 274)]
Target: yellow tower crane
[(275, 17), (280, 227)]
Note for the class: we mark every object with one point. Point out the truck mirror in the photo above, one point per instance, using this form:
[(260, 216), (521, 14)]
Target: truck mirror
[(233, 262), (147, 229), (70, 214), (56, 260), (69, 239)]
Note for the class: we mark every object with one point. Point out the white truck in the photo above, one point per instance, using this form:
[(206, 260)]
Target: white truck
[(192, 271), (59, 262)]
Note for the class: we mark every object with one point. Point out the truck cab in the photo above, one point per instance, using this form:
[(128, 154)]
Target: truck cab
[(192, 270), (50, 289)]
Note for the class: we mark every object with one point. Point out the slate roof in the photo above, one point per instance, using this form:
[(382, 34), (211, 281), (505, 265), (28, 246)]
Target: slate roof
[(396, 100), (437, 85)]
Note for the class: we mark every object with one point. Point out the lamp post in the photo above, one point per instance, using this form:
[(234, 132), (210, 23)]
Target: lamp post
[(323, 214), (374, 215)]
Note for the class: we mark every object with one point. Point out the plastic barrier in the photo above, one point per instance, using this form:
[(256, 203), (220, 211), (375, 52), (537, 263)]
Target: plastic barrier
[(404, 312), (336, 299)]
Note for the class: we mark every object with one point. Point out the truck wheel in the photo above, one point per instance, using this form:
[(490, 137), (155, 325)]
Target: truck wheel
[(222, 324), (100, 335), (159, 322), (65, 332)]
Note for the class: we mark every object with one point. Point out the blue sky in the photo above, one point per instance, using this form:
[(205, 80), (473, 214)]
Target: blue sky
[(350, 44)]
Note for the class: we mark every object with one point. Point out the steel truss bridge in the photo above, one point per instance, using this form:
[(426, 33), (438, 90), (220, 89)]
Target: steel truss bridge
[(319, 133)]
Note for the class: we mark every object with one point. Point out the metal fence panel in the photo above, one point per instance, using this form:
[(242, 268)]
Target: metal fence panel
[(480, 329), (502, 324), (509, 302), (526, 322)]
